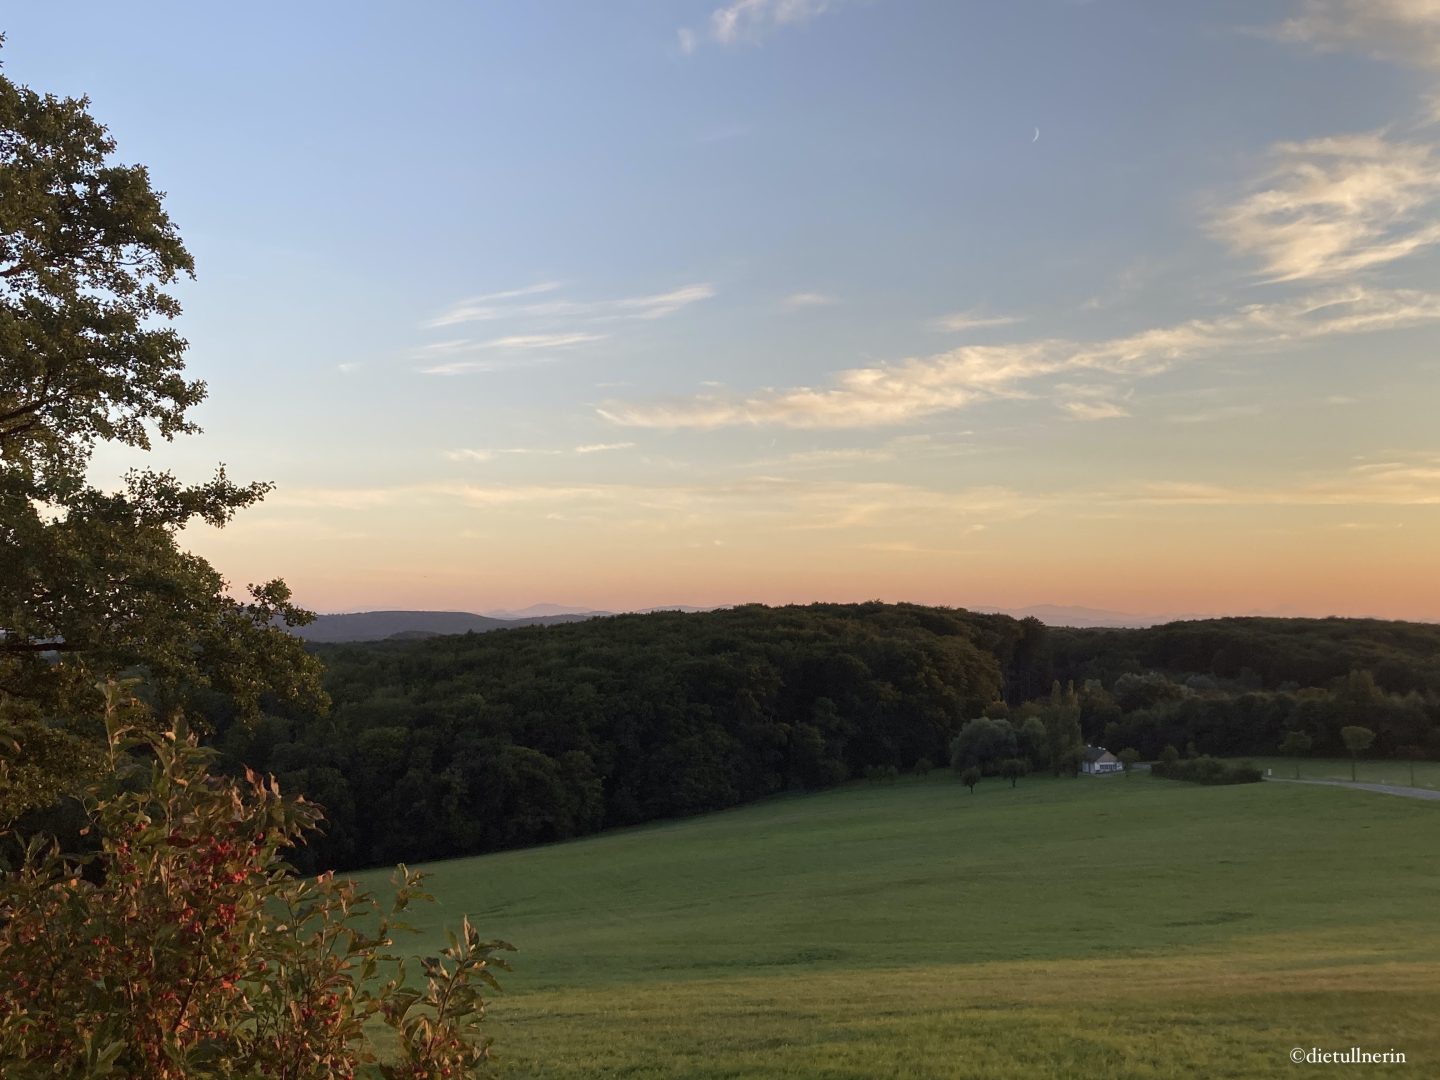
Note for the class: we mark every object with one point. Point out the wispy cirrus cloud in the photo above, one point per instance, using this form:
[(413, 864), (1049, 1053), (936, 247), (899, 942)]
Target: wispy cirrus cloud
[(752, 20), (903, 391), (1090, 402), (543, 328), (603, 448), (1406, 30), (1333, 207), (541, 341), (1406, 482), (474, 455), (461, 357), (648, 306), (796, 301), (959, 321)]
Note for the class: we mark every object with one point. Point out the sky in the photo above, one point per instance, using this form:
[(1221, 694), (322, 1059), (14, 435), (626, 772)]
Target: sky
[(1128, 305)]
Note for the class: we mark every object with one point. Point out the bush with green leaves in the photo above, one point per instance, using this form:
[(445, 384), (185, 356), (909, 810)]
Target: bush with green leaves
[(183, 945), (1207, 770)]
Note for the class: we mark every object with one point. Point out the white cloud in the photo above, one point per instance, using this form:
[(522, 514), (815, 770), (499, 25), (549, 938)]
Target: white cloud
[(492, 307), (477, 307), (748, 19), (900, 392), (659, 305), (1095, 410), (541, 341), (1335, 206), (601, 448), (1089, 402), (1406, 30), (483, 366), (808, 300), (751, 20), (470, 357), (1388, 483), (958, 321), (490, 455)]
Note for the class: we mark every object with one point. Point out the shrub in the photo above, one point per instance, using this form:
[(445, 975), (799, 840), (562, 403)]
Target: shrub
[(923, 767), (1207, 770), (183, 946)]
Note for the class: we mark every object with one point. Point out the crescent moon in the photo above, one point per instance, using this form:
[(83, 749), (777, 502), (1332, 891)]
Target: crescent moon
[(1037, 136)]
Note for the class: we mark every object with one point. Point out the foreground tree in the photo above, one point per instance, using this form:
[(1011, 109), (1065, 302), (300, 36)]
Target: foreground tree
[(970, 777), (173, 940), (93, 582)]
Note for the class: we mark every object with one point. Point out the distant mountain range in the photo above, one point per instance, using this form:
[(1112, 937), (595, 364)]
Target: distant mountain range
[(380, 625)]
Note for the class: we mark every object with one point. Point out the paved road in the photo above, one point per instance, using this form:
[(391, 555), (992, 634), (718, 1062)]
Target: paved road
[(1383, 789)]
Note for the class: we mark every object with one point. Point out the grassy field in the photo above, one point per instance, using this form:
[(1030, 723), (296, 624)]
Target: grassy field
[(1427, 773), (1115, 927)]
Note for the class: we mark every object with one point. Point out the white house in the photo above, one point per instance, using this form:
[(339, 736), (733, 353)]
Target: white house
[(1099, 760)]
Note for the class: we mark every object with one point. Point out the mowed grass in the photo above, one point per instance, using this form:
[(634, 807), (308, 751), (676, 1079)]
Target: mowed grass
[(1112, 927), (1426, 773)]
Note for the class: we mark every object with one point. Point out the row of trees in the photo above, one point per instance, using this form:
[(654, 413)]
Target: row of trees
[(1229, 723)]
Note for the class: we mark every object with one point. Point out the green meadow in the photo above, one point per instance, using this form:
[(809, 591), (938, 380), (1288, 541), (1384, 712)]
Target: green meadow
[(1425, 774), (1092, 927)]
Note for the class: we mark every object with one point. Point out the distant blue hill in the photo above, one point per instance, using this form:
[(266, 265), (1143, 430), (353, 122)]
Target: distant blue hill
[(379, 625)]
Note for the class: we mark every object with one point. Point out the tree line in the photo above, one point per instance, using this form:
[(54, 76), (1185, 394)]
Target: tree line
[(481, 741), (470, 743)]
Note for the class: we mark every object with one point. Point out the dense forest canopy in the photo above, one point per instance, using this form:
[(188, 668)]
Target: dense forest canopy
[(460, 744)]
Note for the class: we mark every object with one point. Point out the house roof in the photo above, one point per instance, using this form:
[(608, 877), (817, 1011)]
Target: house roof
[(1096, 753)]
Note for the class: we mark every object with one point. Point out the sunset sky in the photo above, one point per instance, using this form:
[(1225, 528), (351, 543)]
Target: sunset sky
[(1130, 305)]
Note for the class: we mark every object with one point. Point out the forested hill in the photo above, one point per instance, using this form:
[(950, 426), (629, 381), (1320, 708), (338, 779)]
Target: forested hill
[(460, 744), (1259, 653)]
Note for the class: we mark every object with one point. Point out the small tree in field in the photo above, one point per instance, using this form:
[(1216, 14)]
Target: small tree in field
[(1296, 744), (1128, 757), (970, 777), (923, 767), (1013, 769), (1413, 754), (1356, 739)]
